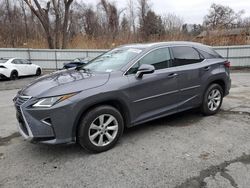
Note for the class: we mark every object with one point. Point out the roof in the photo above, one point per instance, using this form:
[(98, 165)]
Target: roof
[(159, 44)]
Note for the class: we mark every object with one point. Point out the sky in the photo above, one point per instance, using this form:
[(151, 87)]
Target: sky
[(191, 11)]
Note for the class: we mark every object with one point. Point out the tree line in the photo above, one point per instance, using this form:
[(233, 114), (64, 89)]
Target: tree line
[(68, 23)]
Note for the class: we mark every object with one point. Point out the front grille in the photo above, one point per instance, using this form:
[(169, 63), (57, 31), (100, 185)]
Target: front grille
[(19, 101), (22, 123)]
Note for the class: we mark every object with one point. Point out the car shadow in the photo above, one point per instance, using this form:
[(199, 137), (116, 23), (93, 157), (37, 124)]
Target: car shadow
[(19, 78), (182, 119)]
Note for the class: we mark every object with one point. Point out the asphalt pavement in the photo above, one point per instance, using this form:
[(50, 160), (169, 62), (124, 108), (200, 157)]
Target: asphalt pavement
[(183, 150)]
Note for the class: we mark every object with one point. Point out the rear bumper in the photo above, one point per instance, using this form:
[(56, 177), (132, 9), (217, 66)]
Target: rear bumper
[(228, 87)]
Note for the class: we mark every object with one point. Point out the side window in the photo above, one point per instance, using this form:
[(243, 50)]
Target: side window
[(184, 55), (24, 61), (208, 55), (16, 61), (159, 58), (133, 69)]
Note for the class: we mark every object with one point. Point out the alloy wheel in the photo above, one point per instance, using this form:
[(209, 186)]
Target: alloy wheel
[(103, 130), (214, 99)]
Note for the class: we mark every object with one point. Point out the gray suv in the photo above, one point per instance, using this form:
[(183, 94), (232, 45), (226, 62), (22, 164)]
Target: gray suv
[(124, 87)]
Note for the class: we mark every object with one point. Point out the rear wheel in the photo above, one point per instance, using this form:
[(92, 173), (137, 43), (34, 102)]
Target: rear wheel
[(212, 100), (14, 75), (38, 72), (100, 129)]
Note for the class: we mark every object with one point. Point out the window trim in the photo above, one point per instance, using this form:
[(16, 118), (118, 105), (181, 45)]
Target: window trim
[(170, 54)]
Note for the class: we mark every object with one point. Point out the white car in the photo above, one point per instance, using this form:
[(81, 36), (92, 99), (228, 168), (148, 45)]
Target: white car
[(14, 67)]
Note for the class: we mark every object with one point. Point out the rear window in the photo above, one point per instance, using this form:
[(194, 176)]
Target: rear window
[(208, 53), (184, 55)]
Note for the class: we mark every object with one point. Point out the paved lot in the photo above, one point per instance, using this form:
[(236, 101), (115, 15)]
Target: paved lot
[(183, 150)]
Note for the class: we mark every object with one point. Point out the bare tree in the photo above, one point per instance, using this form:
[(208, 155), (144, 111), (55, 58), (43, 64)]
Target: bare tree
[(143, 7), (91, 24), (44, 18), (220, 16), (25, 18), (112, 16), (65, 28), (172, 23), (132, 15)]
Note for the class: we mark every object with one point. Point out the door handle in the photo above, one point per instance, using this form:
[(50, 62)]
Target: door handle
[(172, 75), (207, 68)]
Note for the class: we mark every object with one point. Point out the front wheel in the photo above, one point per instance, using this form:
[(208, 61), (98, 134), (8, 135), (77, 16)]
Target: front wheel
[(38, 72), (212, 100), (14, 75), (100, 129)]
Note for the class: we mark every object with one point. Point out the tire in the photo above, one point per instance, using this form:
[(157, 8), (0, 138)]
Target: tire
[(103, 138), (14, 75), (212, 100), (38, 72)]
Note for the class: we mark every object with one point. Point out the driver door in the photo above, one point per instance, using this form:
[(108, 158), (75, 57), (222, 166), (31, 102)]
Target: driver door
[(154, 94)]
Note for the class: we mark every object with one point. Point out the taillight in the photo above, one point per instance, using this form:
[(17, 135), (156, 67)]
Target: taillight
[(227, 64), (1, 66)]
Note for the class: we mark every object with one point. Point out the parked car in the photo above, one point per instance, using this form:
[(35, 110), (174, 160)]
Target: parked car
[(77, 62), (14, 68), (124, 87)]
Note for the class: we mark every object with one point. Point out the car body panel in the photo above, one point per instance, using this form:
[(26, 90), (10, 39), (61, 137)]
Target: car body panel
[(64, 82), (153, 94)]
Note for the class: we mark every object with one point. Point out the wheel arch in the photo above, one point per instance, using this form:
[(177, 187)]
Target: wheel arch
[(220, 82), (14, 71), (116, 103)]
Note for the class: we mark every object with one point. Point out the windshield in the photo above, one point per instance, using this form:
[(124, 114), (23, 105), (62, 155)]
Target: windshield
[(3, 61), (112, 60)]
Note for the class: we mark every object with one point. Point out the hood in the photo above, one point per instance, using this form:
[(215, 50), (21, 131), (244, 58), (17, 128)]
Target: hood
[(64, 82)]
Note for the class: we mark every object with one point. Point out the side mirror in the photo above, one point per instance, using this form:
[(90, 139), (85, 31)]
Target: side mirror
[(145, 69), (29, 63)]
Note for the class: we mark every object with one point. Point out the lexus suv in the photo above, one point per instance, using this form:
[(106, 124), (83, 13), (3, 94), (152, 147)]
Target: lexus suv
[(124, 87)]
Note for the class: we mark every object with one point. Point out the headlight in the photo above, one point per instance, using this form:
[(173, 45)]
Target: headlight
[(49, 102)]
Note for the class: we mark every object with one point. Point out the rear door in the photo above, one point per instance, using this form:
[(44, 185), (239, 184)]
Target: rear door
[(154, 94), (190, 67), (20, 67), (30, 69)]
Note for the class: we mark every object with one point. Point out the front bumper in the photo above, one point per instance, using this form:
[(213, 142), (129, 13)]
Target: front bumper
[(2, 76), (49, 126)]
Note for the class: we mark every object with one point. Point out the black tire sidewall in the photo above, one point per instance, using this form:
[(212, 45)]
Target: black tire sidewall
[(12, 77), (204, 107), (88, 118), (38, 72)]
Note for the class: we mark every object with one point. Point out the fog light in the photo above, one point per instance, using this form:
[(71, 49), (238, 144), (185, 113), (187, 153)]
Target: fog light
[(47, 121)]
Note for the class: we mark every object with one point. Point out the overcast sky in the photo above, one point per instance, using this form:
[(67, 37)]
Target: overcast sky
[(192, 11)]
